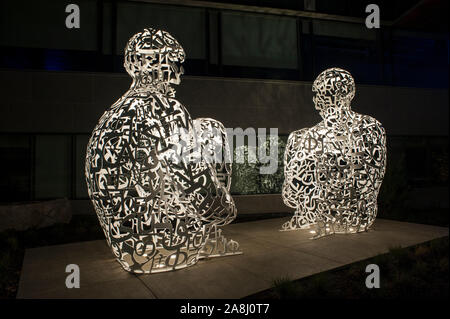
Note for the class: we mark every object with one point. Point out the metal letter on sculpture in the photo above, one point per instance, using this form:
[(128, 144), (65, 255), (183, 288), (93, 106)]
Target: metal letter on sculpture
[(334, 170), (159, 200)]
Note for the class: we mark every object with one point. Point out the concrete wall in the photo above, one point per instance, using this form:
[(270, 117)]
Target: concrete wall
[(72, 102)]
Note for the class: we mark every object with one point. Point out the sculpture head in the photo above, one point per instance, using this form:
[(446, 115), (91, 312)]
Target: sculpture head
[(333, 91), (153, 57)]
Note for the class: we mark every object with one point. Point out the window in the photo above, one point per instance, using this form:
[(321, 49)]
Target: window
[(41, 24), (259, 41), (420, 61), (133, 17), (348, 46)]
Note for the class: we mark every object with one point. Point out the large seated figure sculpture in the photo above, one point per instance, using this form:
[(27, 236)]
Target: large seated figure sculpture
[(334, 170), (159, 200)]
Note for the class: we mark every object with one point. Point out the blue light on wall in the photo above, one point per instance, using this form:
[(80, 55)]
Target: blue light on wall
[(55, 60)]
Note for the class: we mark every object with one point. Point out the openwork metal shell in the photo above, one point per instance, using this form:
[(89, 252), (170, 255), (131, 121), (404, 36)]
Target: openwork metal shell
[(334, 170), (159, 200)]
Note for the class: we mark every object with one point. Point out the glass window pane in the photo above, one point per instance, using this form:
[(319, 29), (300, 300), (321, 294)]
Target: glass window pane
[(53, 166), (343, 30), (335, 45), (259, 41), (420, 61), (41, 24), (187, 25)]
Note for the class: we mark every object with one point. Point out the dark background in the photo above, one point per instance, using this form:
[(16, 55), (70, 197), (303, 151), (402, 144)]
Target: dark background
[(249, 64)]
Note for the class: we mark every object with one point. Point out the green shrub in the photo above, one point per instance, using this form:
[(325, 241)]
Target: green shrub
[(246, 177)]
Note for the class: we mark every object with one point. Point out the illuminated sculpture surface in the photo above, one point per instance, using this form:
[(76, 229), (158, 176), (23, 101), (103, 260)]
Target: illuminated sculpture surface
[(158, 198), (334, 170)]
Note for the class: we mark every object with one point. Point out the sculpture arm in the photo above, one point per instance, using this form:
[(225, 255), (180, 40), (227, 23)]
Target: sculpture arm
[(373, 140), (196, 180), (213, 139), (215, 152), (290, 167)]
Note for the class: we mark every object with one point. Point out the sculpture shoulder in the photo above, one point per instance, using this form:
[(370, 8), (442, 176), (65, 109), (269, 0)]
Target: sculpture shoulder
[(296, 136), (368, 119), (369, 124)]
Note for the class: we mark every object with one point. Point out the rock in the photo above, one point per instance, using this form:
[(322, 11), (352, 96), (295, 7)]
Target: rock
[(35, 215)]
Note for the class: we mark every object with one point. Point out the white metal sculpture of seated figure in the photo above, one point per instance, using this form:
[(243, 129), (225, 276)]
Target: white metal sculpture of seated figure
[(158, 200), (334, 170)]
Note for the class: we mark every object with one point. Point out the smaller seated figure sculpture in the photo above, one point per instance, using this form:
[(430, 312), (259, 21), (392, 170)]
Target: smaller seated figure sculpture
[(334, 170), (159, 200), (215, 151)]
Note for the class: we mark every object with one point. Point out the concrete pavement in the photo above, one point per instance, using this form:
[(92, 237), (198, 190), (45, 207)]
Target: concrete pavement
[(268, 255)]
